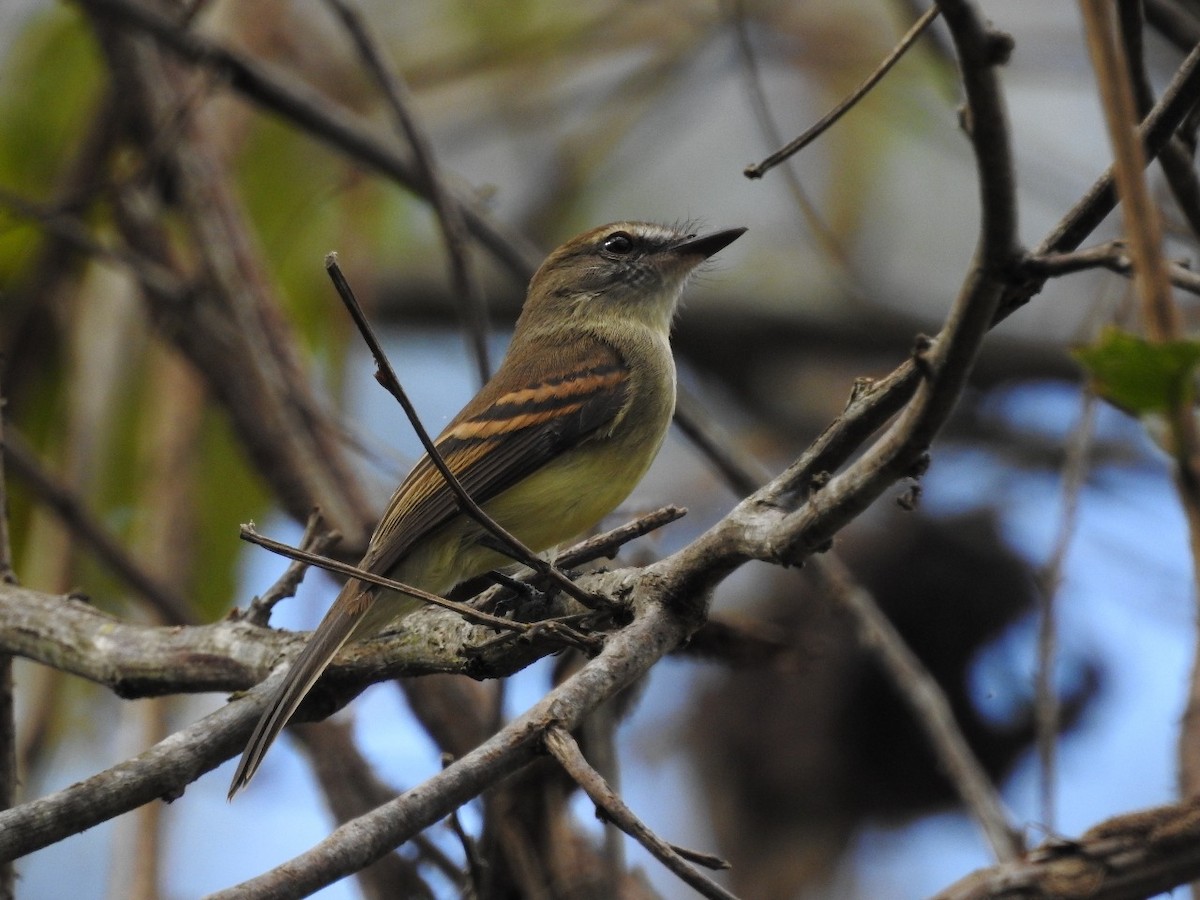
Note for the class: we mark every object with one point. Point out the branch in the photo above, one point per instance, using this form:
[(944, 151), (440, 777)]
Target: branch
[(1111, 256), (1156, 130), (1049, 581), (606, 544), (161, 772), (1176, 159), (315, 540), (1127, 857), (628, 654), (564, 749), (134, 660), (1141, 216), (827, 240), (229, 310), (827, 121)]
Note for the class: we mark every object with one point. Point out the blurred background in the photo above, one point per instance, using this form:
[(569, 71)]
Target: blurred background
[(803, 770)]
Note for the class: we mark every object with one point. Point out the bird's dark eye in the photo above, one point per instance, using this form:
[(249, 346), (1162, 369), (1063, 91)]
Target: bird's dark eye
[(618, 243)]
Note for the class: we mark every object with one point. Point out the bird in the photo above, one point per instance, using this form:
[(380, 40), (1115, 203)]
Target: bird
[(552, 443)]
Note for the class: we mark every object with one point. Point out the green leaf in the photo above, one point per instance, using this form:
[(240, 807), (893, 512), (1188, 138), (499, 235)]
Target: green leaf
[(1139, 376)]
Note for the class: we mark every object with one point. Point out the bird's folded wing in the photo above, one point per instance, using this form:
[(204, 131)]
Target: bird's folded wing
[(519, 422)]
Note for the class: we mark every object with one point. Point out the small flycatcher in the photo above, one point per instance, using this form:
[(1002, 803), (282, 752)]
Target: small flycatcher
[(556, 439)]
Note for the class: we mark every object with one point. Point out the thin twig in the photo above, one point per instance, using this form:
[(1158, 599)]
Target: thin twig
[(476, 867), (757, 170), (250, 535), (316, 541), (773, 137), (1112, 256), (467, 291), (604, 545), (564, 749), (609, 542), (387, 377), (1175, 22)]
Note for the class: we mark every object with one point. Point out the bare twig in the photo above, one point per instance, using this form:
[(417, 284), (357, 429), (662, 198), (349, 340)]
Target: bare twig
[(1173, 107), (564, 749), (332, 565), (757, 170), (1112, 256), (607, 543), (387, 377), (316, 541), (472, 303), (475, 865), (234, 311), (1174, 21), (773, 137)]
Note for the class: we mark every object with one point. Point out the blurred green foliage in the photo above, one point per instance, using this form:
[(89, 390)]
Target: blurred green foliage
[(1140, 376)]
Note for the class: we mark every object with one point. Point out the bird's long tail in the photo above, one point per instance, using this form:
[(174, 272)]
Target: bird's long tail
[(335, 629)]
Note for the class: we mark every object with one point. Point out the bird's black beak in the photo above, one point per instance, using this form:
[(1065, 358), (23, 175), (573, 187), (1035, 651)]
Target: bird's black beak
[(708, 244)]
